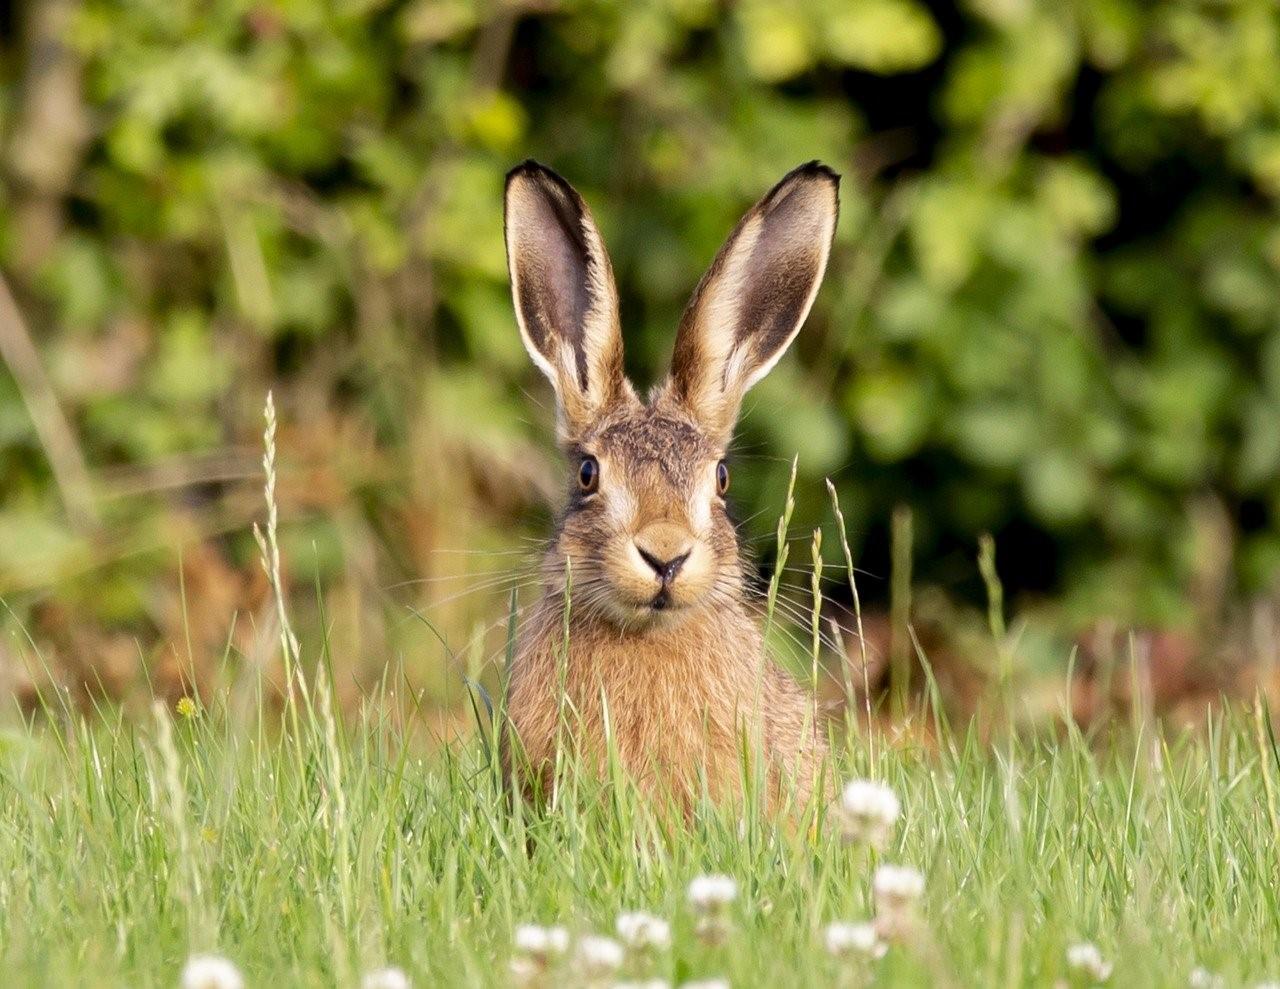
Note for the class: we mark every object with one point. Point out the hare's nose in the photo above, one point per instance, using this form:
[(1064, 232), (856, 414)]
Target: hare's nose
[(665, 547), (665, 569)]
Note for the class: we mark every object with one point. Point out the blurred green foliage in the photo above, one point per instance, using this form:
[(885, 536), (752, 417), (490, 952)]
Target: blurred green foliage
[(1054, 312)]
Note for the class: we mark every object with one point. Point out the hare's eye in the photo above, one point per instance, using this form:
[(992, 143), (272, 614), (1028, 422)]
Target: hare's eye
[(722, 477), (589, 475)]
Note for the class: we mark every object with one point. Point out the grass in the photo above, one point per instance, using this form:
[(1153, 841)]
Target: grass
[(311, 849), (310, 858)]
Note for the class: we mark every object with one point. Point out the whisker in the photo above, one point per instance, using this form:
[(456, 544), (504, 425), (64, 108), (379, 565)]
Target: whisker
[(515, 584), (480, 552), (443, 578)]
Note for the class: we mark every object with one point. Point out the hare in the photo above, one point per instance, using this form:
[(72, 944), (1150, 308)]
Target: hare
[(644, 631)]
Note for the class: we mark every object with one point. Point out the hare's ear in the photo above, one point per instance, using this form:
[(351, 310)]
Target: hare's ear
[(565, 299), (750, 304)]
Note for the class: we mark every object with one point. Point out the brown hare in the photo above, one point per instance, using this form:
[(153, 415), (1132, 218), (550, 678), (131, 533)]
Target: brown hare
[(656, 644)]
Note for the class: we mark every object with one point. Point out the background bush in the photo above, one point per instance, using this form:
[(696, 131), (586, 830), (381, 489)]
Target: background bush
[(1053, 311)]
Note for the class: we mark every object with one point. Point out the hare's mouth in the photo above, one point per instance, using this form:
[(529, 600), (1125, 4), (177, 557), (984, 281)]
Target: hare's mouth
[(668, 601), (660, 609)]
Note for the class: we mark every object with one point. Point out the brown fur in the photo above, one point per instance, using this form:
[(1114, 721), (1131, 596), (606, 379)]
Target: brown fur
[(670, 664)]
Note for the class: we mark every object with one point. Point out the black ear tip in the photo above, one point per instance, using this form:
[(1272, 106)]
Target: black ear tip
[(546, 177), (817, 169), (527, 168), (800, 177)]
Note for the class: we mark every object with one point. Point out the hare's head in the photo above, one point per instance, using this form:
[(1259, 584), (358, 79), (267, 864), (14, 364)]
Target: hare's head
[(646, 531)]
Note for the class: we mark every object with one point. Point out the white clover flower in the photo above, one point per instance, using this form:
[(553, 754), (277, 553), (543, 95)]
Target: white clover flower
[(525, 971), (641, 931), (845, 940), (211, 972), (385, 978), (599, 956), (1202, 978), (1086, 959), (867, 812), (709, 894), (896, 888), (541, 943)]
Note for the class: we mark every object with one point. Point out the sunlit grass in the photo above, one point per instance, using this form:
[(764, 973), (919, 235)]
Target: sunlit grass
[(128, 848)]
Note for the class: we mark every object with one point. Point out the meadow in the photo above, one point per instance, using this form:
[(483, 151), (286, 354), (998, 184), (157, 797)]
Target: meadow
[(316, 851), (312, 846)]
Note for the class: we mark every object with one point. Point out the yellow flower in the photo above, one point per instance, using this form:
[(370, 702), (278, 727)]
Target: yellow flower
[(187, 708)]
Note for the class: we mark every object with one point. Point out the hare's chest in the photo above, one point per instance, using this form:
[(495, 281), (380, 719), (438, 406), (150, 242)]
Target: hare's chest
[(674, 717), (679, 716)]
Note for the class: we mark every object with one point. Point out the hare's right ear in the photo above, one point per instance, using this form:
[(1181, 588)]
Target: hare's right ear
[(565, 299)]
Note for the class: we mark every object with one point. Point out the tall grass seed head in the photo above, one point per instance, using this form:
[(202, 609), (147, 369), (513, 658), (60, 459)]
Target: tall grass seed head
[(845, 940), (1085, 959), (641, 931), (711, 894), (211, 972), (867, 813), (385, 978)]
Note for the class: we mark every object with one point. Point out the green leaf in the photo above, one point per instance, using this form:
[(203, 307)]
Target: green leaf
[(882, 36)]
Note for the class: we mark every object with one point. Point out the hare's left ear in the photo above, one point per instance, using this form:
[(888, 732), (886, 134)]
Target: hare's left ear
[(751, 303), (565, 299)]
